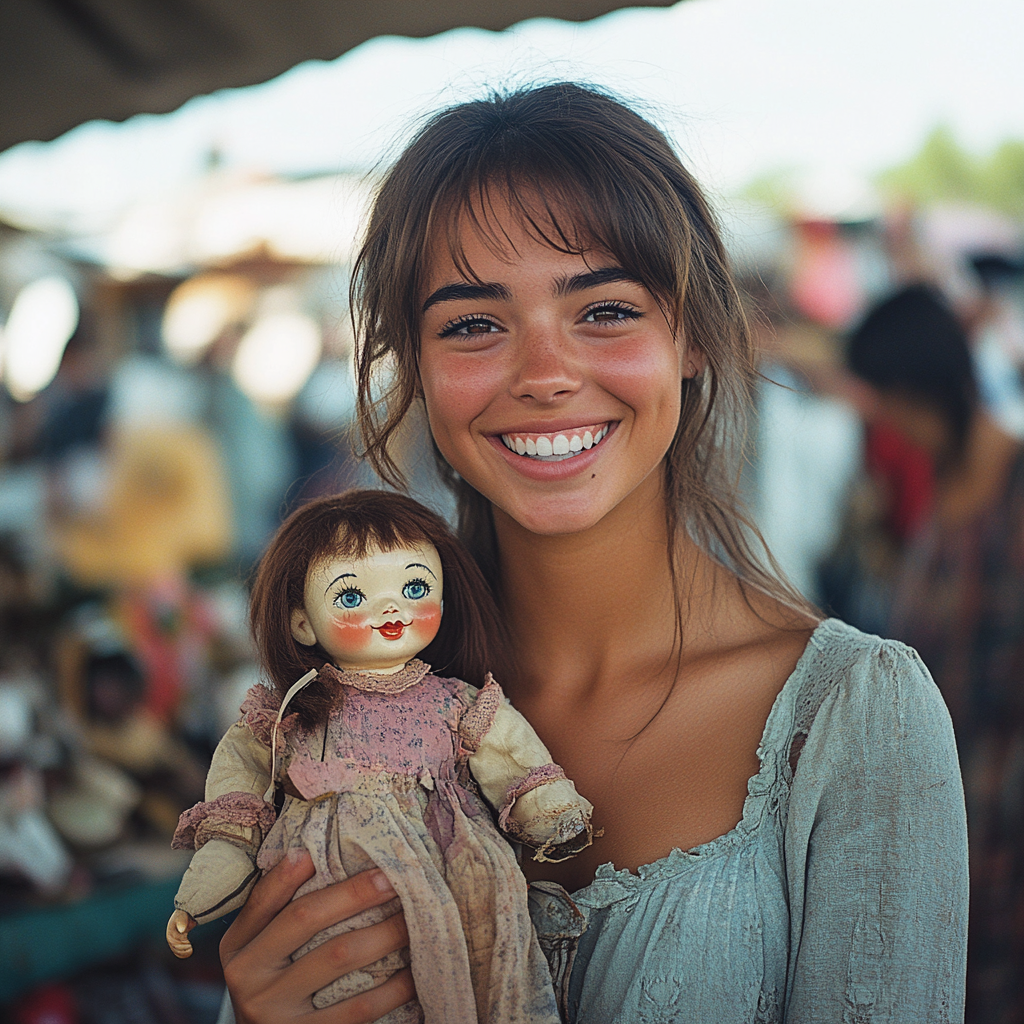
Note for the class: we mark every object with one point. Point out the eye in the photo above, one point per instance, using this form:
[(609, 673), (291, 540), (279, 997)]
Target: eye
[(414, 590), (468, 325), (350, 598), (611, 312)]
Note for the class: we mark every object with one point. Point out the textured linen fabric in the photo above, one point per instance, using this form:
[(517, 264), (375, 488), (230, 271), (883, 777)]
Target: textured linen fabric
[(841, 895)]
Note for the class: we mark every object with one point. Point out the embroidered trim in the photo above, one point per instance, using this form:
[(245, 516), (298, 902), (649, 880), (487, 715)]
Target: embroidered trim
[(396, 682), (534, 778), (244, 809), (477, 721)]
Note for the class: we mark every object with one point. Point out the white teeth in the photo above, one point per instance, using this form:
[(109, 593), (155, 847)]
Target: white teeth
[(554, 448)]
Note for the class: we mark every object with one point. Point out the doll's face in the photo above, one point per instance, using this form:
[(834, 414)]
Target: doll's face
[(373, 613)]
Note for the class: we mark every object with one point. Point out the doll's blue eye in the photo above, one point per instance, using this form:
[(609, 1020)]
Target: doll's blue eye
[(415, 589), (349, 599)]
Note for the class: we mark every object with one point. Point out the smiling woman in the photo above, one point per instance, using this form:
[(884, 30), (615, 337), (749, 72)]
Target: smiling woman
[(543, 274)]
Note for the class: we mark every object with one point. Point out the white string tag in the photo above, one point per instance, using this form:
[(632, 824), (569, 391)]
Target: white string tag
[(294, 689)]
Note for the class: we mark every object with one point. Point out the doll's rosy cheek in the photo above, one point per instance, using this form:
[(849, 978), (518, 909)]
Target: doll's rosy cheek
[(352, 634), (426, 622)]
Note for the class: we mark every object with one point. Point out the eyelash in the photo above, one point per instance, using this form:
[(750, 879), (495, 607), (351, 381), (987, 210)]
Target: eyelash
[(632, 313), (426, 586), (454, 326), (347, 590)]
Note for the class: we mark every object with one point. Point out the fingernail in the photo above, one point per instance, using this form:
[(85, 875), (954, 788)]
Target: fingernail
[(380, 881)]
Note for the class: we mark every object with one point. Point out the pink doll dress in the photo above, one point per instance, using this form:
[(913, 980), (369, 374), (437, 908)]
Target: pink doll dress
[(386, 783)]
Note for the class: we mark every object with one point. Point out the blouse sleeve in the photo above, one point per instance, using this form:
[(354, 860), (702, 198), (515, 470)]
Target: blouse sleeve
[(876, 852)]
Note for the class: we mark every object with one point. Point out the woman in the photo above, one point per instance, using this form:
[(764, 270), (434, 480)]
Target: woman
[(782, 812), (960, 602)]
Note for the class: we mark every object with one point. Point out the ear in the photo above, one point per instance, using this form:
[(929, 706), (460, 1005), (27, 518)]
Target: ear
[(302, 630), (692, 360)]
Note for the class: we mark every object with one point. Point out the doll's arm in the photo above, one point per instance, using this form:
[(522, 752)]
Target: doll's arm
[(226, 831), (537, 805)]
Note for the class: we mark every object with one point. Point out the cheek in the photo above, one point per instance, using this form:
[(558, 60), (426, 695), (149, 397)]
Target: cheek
[(354, 634), (425, 623), (456, 389)]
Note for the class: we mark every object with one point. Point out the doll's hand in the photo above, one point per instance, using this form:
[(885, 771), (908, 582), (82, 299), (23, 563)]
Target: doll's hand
[(266, 987), (178, 927)]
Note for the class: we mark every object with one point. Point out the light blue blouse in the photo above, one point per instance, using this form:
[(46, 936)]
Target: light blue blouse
[(841, 896)]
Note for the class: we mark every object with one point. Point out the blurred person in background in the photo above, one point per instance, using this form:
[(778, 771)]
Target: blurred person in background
[(959, 600)]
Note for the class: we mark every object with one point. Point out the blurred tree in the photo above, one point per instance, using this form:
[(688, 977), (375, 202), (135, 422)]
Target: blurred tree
[(943, 171)]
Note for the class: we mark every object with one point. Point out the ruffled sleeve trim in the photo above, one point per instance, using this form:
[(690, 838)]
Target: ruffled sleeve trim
[(259, 713), (203, 822), (477, 721)]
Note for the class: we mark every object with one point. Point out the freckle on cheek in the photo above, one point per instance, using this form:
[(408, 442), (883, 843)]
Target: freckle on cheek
[(352, 636)]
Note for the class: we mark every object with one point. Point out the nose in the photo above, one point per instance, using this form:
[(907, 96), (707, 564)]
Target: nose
[(546, 369)]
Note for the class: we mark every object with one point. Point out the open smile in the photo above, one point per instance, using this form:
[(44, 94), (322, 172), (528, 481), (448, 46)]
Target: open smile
[(556, 446), (392, 630)]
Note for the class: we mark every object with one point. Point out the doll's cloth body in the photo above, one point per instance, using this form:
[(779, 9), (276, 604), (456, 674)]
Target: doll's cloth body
[(385, 782)]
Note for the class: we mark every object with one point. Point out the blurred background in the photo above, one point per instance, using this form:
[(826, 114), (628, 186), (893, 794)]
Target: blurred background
[(176, 375)]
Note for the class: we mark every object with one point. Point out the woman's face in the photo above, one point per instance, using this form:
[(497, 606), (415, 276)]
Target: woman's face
[(554, 386), (375, 612)]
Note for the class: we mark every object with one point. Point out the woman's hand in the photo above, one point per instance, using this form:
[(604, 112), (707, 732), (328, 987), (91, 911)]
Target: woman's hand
[(267, 987)]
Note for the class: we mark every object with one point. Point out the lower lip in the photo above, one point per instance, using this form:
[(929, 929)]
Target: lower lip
[(392, 632), (534, 469)]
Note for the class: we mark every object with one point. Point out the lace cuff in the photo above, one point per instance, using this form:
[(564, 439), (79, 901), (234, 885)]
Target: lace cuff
[(223, 818), (537, 777)]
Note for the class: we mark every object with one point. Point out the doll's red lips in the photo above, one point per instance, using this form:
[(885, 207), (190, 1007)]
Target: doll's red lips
[(392, 630)]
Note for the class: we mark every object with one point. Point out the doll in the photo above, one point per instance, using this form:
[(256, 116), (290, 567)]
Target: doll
[(364, 757)]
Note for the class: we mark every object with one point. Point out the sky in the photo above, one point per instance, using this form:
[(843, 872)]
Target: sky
[(833, 92)]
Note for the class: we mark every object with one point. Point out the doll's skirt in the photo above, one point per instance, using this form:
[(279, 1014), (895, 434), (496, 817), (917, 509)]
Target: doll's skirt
[(474, 953)]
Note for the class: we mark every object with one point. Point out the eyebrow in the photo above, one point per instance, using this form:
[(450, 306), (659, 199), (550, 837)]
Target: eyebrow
[(420, 565), (593, 279), (564, 285), (466, 290), (336, 578)]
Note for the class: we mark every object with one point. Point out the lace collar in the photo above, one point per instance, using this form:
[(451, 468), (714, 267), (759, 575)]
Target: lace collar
[(395, 682)]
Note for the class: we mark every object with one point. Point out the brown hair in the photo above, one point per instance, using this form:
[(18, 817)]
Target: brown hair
[(582, 172), (470, 640)]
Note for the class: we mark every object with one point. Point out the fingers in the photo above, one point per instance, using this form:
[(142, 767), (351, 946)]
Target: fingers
[(269, 896), (348, 952), (178, 927), (371, 1005), (299, 920)]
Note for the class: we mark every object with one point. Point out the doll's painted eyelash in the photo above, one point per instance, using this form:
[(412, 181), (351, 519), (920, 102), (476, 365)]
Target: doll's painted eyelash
[(350, 597), (415, 590)]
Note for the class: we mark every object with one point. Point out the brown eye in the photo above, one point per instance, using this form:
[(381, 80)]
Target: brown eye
[(609, 312)]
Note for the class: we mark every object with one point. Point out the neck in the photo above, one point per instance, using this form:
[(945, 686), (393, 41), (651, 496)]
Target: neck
[(582, 606)]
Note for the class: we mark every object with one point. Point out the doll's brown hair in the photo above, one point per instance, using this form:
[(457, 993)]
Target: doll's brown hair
[(470, 641)]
